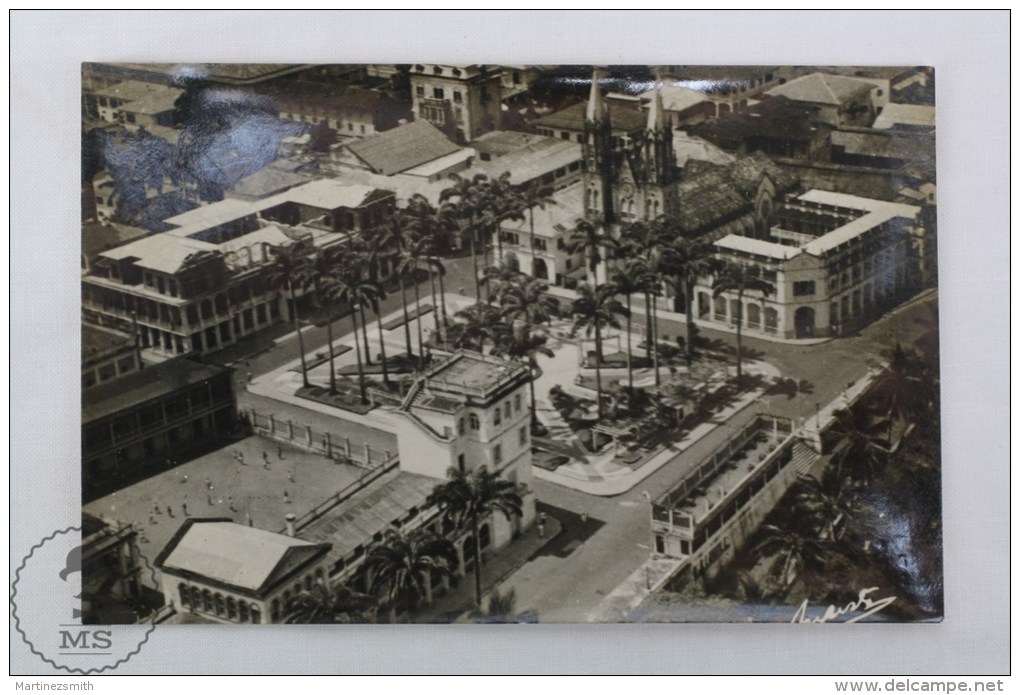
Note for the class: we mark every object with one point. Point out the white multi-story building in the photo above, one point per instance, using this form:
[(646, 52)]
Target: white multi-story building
[(834, 261)]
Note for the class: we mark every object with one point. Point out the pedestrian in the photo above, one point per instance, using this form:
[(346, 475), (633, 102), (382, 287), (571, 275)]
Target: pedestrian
[(184, 508), (290, 475), (152, 520), (279, 452), (208, 498), (251, 377), (240, 457), (157, 509), (541, 529), (541, 517), (169, 512), (185, 478), (584, 518), (286, 497), (265, 457), (208, 483)]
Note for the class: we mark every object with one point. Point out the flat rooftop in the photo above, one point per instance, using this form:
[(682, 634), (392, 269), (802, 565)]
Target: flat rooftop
[(471, 373), (97, 341)]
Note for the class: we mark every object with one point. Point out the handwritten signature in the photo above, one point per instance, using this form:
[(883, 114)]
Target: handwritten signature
[(863, 603)]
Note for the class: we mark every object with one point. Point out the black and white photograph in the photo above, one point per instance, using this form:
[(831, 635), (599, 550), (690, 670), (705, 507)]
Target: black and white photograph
[(510, 342), (431, 342)]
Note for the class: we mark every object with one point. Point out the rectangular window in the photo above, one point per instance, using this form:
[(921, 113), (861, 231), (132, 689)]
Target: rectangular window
[(419, 90), (497, 419), (457, 97), (564, 135), (497, 455), (517, 403), (506, 410), (804, 288), (437, 93), (522, 436)]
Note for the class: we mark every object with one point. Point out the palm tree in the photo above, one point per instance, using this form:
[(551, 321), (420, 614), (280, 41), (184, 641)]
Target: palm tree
[(465, 199), (415, 249), (627, 280), (525, 346), (292, 269), (401, 568), (687, 260), (470, 497), (325, 279), (526, 301), (428, 227), (326, 605), (862, 445), (588, 237), (350, 288), (822, 505), (501, 608), (593, 310), (645, 240), (388, 244), (534, 196), (499, 278), (478, 323), (792, 552), (740, 278), (503, 202)]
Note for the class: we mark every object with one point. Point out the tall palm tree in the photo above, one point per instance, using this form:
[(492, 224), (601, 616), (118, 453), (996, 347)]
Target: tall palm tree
[(587, 236), (388, 244), (685, 261), (740, 278), (401, 568), (465, 200), (330, 605), (429, 229), (534, 196), (468, 499), (350, 288), (292, 269), (411, 259), (644, 240), (595, 309), (502, 203), (822, 505), (525, 346), (862, 447), (626, 280), (325, 279)]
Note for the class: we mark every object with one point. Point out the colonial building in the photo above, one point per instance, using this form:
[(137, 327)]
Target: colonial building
[(835, 262), (840, 100), (203, 285), (106, 355), (145, 420), (111, 588), (350, 111), (225, 572), (464, 101)]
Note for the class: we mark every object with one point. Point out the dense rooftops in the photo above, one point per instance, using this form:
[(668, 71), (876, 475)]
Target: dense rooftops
[(573, 118), (822, 88), (403, 147)]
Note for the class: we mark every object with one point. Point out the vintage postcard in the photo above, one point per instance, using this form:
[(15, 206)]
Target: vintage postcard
[(479, 343)]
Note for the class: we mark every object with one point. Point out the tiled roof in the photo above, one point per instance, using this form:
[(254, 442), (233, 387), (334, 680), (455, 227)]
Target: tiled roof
[(776, 117), (403, 147)]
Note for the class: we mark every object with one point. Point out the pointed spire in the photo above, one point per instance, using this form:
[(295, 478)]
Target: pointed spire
[(596, 107), (656, 111)]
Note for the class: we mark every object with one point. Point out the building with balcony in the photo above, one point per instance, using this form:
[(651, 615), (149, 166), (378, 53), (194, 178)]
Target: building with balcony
[(219, 571), (706, 517), (154, 101), (142, 422), (835, 261), (111, 563), (463, 101), (106, 355)]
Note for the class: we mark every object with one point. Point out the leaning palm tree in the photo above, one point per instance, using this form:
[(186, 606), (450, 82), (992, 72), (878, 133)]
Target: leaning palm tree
[(471, 497), (401, 568), (525, 346), (594, 310), (330, 605), (292, 269), (626, 280), (740, 278), (411, 258)]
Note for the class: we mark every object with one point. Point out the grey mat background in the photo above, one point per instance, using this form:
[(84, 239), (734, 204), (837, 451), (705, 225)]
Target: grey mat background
[(970, 52)]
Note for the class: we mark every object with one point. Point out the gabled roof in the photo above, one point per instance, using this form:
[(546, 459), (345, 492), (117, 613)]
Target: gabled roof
[(822, 88), (236, 555), (403, 147), (327, 194), (675, 98), (688, 147)]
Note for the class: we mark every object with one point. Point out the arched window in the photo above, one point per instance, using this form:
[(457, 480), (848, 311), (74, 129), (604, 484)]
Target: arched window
[(460, 426), (473, 420), (242, 611), (308, 583), (497, 418), (256, 614), (274, 609), (221, 606), (207, 604), (185, 594), (196, 598), (506, 410), (231, 608)]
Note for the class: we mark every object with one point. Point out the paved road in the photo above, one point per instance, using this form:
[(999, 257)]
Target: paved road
[(592, 558)]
